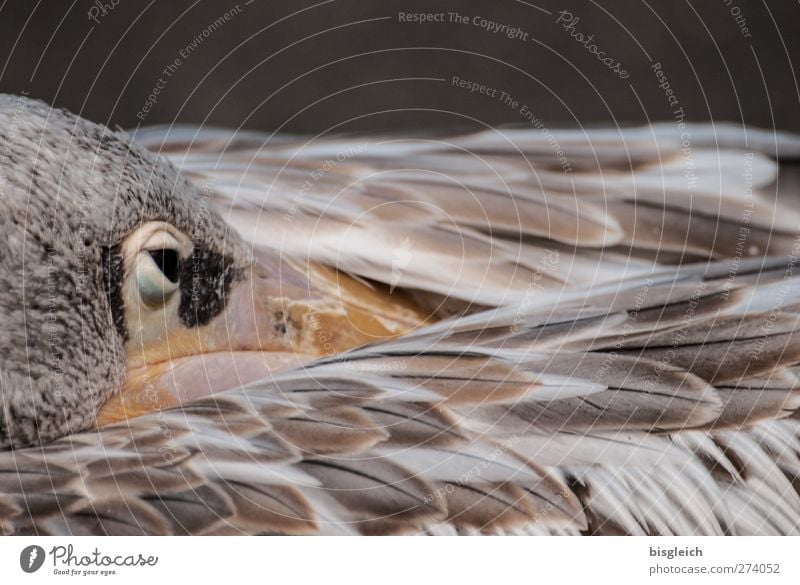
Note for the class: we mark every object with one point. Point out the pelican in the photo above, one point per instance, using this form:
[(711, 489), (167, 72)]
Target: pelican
[(208, 331)]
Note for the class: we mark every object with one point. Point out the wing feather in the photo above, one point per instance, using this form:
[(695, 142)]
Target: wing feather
[(486, 218)]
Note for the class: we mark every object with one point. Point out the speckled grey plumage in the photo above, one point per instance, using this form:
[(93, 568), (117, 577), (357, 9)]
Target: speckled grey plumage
[(69, 190)]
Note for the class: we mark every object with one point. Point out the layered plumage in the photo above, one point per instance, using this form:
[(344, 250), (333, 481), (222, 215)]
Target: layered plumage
[(580, 385), (481, 217), (604, 412)]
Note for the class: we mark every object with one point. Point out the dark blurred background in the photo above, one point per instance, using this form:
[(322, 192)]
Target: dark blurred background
[(309, 66)]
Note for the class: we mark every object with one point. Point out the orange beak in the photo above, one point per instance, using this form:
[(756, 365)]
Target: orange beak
[(269, 324)]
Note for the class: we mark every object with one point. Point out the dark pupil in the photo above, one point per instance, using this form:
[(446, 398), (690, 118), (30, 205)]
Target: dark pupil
[(167, 260)]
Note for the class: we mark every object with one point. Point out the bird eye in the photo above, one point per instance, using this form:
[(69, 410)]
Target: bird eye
[(159, 251)]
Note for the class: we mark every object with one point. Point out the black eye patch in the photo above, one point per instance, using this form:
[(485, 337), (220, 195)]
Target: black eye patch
[(168, 262), (205, 280)]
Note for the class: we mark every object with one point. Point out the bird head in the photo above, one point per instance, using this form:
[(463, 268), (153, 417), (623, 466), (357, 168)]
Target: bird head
[(111, 266)]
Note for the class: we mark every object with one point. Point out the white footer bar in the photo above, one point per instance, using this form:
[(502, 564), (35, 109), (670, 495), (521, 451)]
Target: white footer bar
[(400, 560)]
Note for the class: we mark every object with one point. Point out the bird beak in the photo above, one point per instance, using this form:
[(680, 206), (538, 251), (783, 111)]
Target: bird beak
[(269, 324), (245, 342)]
